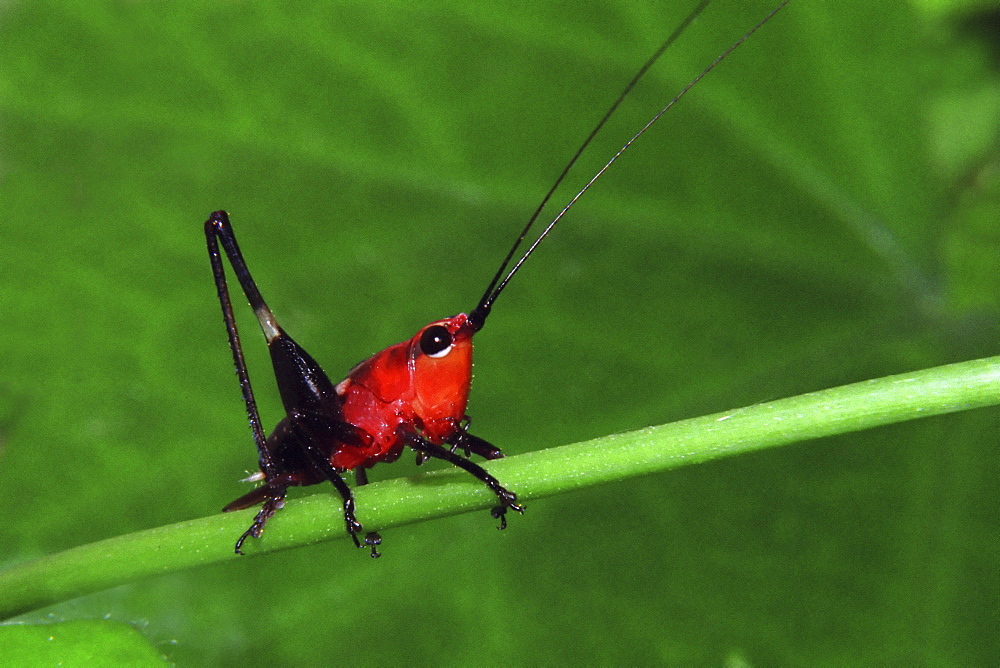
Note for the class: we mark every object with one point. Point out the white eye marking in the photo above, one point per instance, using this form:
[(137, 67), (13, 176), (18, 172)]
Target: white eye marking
[(441, 353)]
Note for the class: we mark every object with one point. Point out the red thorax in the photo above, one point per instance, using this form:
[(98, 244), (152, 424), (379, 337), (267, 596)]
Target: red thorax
[(403, 386)]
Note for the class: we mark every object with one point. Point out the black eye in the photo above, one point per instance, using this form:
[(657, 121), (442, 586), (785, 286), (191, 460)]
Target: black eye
[(435, 341)]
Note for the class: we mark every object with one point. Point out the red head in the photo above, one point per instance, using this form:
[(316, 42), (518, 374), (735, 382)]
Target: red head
[(441, 358)]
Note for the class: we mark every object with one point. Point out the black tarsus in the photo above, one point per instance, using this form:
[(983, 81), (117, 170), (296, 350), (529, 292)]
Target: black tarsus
[(273, 500)]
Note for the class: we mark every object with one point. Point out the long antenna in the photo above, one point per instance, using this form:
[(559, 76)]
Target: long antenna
[(485, 303), (478, 316)]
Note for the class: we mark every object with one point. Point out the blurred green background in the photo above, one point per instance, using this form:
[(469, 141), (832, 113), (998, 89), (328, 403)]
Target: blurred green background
[(822, 209)]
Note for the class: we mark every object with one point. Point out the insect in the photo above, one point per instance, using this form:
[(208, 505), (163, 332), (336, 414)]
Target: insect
[(411, 395)]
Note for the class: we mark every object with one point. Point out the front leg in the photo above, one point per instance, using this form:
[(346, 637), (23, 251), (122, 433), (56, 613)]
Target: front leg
[(508, 499), (463, 440)]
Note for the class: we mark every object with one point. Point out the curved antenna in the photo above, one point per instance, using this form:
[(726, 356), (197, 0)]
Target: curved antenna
[(483, 308), (477, 317)]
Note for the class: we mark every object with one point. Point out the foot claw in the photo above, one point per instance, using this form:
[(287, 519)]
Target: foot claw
[(507, 500), (500, 513), (353, 528), (373, 540)]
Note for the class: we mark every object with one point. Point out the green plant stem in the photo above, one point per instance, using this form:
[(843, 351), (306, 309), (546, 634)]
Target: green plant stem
[(840, 410)]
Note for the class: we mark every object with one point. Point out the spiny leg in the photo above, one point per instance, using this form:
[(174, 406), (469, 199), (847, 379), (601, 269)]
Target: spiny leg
[(217, 228), (507, 498)]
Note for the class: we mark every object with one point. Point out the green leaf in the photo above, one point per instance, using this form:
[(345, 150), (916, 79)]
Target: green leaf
[(77, 643), (821, 210)]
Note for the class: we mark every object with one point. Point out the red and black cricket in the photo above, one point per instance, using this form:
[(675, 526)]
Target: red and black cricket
[(412, 394)]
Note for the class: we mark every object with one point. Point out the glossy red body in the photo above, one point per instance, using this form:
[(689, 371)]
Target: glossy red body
[(403, 386)]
